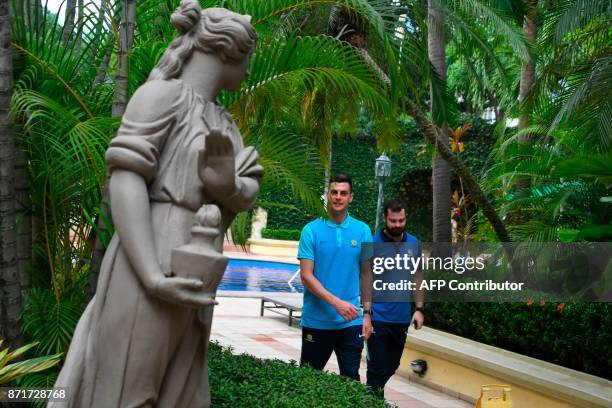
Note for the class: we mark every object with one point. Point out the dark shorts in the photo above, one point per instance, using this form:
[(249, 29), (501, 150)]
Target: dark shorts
[(347, 343)]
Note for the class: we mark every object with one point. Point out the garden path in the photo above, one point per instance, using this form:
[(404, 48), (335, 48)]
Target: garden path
[(237, 323)]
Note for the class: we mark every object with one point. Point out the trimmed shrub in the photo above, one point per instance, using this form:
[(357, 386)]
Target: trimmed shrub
[(574, 335), (285, 234), (247, 381)]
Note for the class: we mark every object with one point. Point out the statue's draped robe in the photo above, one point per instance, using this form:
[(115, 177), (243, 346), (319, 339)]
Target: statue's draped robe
[(131, 349)]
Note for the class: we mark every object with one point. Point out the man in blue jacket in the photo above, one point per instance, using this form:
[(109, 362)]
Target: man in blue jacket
[(332, 269), (391, 320)]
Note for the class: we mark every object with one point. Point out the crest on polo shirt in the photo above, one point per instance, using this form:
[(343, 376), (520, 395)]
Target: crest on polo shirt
[(353, 242)]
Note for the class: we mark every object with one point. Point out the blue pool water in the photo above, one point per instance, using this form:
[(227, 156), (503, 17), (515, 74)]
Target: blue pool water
[(260, 276)]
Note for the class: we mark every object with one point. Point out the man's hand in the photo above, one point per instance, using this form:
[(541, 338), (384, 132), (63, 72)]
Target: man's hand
[(417, 319), (347, 310), (367, 329)]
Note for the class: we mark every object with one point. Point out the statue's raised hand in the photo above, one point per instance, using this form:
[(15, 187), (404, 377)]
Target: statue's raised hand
[(217, 164)]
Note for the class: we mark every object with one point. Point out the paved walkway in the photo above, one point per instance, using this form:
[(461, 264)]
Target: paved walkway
[(237, 323)]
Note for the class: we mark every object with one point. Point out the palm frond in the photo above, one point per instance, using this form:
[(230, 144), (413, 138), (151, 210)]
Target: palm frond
[(578, 14), (496, 19), (51, 322)]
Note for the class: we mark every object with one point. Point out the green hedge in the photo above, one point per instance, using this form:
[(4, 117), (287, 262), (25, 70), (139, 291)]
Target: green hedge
[(247, 381), (285, 218), (574, 335), (411, 172), (410, 180), (286, 234)]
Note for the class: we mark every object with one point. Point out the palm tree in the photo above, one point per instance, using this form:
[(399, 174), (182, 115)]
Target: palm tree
[(440, 168), (528, 77), (10, 287), (457, 19), (69, 19), (530, 29)]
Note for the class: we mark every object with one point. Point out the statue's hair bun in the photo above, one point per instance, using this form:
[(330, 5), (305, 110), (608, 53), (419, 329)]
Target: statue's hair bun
[(186, 16)]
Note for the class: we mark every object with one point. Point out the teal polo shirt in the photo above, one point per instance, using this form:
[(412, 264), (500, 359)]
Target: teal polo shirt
[(336, 253), (394, 312)]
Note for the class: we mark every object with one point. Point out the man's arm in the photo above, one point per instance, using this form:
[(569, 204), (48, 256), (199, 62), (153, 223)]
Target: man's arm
[(347, 310), (418, 317), (365, 279)]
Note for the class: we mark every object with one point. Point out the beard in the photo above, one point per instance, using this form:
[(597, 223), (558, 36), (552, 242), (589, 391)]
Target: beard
[(395, 232)]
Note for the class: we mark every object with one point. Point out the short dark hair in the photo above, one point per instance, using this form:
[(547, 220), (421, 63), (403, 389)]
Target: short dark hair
[(341, 178), (395, 205)]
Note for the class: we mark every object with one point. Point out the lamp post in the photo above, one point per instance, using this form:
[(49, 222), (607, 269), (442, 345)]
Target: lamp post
[(382, 170)]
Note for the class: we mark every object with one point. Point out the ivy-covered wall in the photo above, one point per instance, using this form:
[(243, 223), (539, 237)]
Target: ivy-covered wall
[(410, 179)]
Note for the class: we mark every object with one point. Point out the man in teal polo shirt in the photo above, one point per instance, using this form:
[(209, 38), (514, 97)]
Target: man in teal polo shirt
[(332, 270)]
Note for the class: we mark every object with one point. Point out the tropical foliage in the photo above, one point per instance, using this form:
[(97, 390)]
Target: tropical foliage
[(322, 69), (16, 370), (569, 160)]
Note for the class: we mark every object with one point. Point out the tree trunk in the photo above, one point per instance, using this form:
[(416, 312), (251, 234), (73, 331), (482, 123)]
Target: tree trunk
[(431, 133), (23, 207), (98, 38), (31, 11), (32, 14), (440, 169), (69, 19), (81, 10), (530, 29), (126, 38), (103, 66), (10, 288)]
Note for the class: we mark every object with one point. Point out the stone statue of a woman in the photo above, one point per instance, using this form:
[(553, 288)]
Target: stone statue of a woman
[(142, 341)]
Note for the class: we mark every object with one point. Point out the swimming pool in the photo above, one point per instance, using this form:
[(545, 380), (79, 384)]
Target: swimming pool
[(260, 276)]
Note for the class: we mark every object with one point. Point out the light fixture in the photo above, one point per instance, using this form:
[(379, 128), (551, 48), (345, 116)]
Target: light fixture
[(383, 167), (419, 367), (382, 171)]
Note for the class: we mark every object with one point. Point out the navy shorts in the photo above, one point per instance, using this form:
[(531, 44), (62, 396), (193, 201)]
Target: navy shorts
[(347, 343)]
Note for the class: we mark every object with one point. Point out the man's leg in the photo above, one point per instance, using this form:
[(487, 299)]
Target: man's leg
[(397, 341), (317, 346), (348, 347), (377, 347)]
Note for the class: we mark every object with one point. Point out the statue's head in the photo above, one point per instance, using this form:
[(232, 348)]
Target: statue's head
[(228, 35)]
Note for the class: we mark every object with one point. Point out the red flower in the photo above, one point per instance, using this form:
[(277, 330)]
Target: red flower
[(530, 303), (560, 307), (542, 303)]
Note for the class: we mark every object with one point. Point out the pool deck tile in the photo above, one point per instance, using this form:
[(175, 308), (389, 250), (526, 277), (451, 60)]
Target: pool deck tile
[(237, 323)]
